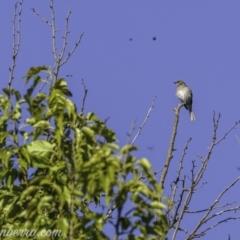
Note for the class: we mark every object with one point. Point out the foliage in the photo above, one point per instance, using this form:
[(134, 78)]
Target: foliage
[(63, 170)]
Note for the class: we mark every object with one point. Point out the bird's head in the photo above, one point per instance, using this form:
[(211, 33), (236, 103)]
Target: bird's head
[(180, 83)]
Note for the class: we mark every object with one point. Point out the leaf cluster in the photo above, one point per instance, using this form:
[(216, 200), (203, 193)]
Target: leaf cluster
[(62, 170)]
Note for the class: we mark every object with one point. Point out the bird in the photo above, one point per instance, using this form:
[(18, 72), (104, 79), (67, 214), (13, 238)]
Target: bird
[(184, 93)]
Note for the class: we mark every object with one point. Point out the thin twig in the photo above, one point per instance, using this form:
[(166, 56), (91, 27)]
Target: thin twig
[(73, 49), (145, 120), (16, 42), (41, 17), (204, 210), (176, 182), (224, 136), (65, 35), (213, 226), (53, 31), (84, 97), (205, 218), (180, 169), (221, 212), (175, 219)]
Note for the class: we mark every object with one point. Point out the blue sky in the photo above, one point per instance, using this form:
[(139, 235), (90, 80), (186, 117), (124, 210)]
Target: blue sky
[(197, 41)]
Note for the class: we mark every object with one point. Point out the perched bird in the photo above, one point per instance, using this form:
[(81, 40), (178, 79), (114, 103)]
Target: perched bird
[(184, 93)]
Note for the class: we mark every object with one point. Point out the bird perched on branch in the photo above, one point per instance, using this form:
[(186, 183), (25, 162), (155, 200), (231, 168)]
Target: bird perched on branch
[(184, 93)]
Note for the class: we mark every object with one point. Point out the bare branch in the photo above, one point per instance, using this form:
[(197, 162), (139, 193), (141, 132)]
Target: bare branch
[(41, 17), (145, 120), (221, 212), (204, 210), (179, 170), (53, 32), (213, 226), (155, 173), (73, 49), (175, 186), (59, 61), (214, 143), (171, 147), (224, 136), (65, 35), (196, 178), (84, 97), (205, 218), (175, 217), (16, 40)]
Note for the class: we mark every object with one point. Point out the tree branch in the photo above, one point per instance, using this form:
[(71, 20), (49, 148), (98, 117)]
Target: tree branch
[(179, 170), (145, 120), (41, 17), (84, 97), (58, 58), (197, 177), (205, 218), (171, 147), (16, 42)]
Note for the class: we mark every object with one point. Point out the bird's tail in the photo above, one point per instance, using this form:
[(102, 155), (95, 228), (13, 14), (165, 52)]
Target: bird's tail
[(192, 117)]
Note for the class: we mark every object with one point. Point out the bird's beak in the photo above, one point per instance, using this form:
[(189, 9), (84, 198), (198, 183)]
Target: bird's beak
[(175, 82)]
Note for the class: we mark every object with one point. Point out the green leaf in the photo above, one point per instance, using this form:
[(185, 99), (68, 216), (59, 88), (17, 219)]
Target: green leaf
[(66, 196), (5, 156), (39, 148), (17, 95), (30, 90), (63, 224), (17, 112), (30, 121), (128, 148), (157, 204), (71, 110), (25, 156), (42, 124), (3, 136), (92, 117), (61, 85), (89, 133), (145, 164), (34, 71), (7, 91)]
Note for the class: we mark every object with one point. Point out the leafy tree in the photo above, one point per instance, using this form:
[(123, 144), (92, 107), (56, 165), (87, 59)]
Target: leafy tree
[(57, 163)]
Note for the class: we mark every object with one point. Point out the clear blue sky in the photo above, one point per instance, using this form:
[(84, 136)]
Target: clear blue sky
[(197, 41)]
